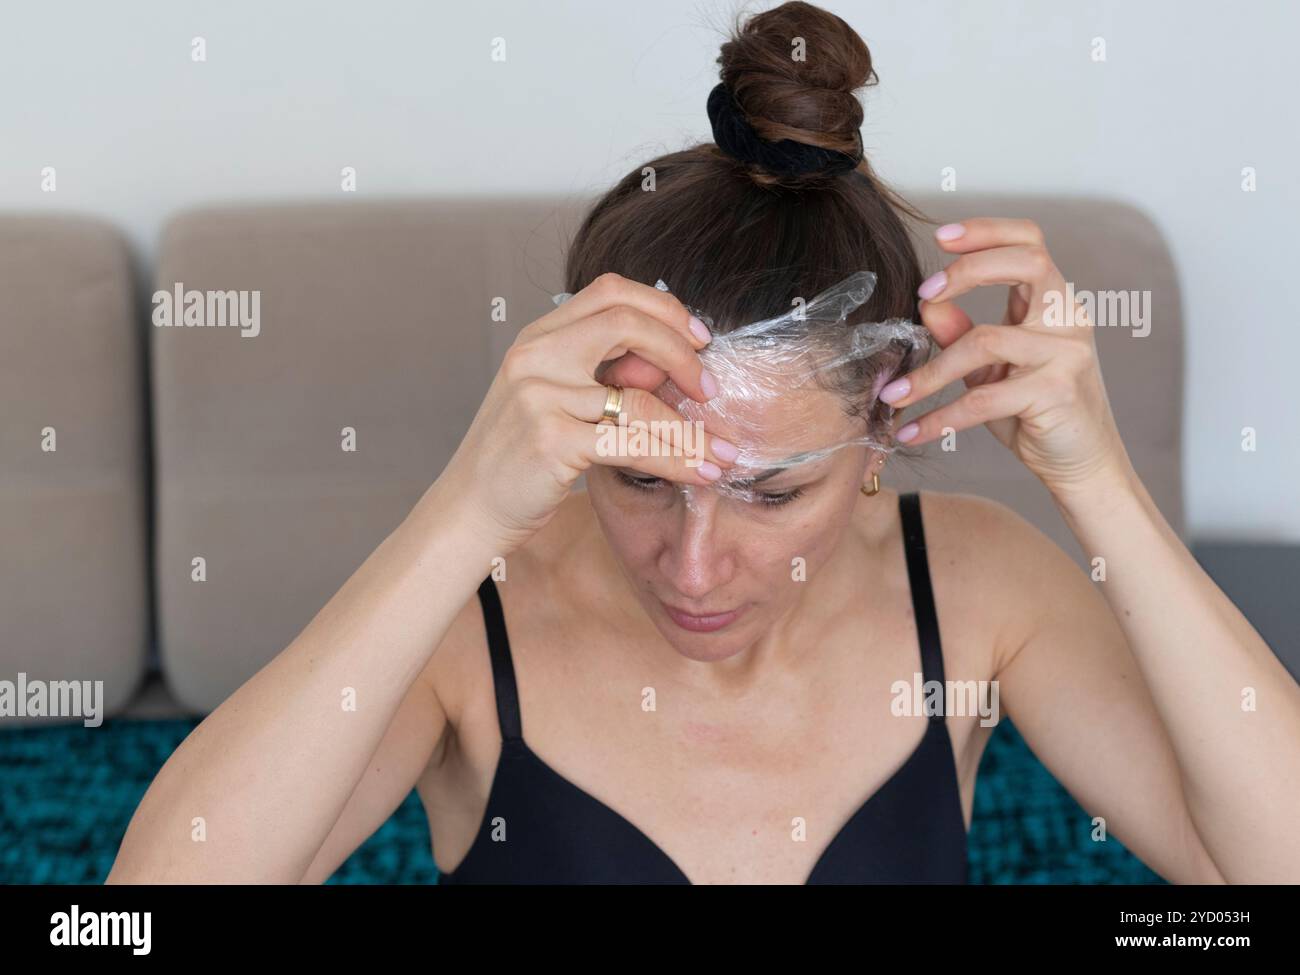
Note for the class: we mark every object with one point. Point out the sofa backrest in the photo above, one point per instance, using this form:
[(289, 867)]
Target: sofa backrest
[(284, 457), (74, 575)]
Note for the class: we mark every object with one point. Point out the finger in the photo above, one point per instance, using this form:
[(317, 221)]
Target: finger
[(981, 346), (580, 445), (588, 444), (1020, 264), (977, 406), (668, 465), (646, 416), (632, 370), (981, 233), (613, 333), (610, 290), (1017, 305), (945, 320)]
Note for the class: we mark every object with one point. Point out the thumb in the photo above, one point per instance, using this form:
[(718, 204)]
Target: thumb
[(631, 370), (945, 321)]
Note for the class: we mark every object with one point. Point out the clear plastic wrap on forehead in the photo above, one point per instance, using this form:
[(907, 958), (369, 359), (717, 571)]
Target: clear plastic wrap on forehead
[(769, 373)]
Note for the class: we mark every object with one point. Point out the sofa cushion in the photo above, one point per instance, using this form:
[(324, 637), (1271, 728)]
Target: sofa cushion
[(74, 584)]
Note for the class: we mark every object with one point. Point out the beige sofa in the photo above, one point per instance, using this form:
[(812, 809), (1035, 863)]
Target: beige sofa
[(74, 493), (375, 319)]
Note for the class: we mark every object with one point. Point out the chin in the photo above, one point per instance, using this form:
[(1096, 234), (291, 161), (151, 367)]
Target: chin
[(706, 650), (705, 641)]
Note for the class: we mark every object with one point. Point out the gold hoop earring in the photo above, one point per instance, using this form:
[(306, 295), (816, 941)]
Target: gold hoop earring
[(875, 486)]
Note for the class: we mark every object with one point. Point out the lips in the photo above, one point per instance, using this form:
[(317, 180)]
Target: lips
[(702, 623)]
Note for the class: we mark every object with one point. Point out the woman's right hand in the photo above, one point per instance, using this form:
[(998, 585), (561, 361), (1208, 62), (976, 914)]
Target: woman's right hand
[(538, 428)]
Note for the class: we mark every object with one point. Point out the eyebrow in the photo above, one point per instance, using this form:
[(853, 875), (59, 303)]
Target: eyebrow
[(782, 467)]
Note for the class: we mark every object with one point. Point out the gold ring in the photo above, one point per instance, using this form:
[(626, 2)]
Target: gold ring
[(613, 404)]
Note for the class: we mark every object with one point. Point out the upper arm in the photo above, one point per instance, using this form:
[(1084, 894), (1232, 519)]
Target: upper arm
[(413, 738), (1076, 693)]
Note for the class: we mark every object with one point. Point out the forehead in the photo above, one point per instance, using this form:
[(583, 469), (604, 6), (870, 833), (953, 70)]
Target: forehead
[(768, 425)]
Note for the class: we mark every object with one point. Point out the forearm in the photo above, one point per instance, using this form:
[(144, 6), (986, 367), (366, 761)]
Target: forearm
[(1199, 656), (270, 770)]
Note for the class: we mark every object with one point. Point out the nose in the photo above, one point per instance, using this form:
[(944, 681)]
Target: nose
[(698, 558)]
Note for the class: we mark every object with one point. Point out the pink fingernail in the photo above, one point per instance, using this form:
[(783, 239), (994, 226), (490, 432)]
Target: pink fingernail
[(727, 451), (708, 384), (933, 285), (907, 432), (896, 390), (949, 231), (709, 470), (700, 330)]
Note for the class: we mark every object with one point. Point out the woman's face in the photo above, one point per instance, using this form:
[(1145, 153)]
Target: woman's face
[(715, 572)]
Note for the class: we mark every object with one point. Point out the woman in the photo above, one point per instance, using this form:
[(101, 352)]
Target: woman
[(658, 680)]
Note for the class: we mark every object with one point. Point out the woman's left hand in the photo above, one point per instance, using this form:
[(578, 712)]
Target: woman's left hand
[(1037, 384)]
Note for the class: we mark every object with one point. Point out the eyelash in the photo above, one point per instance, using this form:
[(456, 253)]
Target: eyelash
[(769, 500)]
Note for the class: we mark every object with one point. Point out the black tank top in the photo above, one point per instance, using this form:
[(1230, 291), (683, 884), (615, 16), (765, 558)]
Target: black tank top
[(910, 830)]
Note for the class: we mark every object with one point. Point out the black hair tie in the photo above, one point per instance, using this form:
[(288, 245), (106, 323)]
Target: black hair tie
[(738, 139)]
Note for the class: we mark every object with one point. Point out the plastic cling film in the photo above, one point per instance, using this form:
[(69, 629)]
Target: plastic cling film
[(774, 376)]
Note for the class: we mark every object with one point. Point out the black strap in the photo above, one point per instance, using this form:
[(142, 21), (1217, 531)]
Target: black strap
[(918, 575), (503, 668)]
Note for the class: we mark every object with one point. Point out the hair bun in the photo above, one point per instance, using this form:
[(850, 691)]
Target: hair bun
[(794, 72)]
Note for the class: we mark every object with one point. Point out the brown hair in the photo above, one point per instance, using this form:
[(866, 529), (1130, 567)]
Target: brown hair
[(740, 243)]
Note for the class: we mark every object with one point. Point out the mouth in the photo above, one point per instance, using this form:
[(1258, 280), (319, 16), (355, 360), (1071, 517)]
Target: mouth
[(702, 623)]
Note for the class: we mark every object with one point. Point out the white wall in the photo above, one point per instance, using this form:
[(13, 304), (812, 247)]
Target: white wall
[(1004, 91)]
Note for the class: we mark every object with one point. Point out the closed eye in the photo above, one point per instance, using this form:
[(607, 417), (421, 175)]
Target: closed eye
[(770, 499)]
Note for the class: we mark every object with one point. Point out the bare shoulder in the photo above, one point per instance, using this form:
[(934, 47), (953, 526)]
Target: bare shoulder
[(976, 522), (987, 557)]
